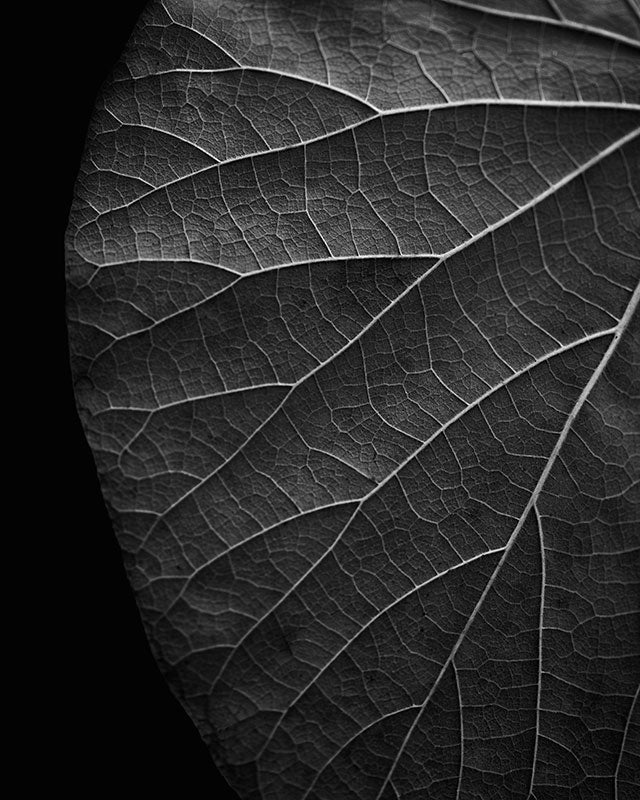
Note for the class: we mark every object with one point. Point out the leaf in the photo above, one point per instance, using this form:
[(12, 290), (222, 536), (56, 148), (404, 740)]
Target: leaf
[(353, 292)]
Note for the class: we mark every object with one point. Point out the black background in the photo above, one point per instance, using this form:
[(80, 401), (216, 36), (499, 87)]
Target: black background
[(120, 728)]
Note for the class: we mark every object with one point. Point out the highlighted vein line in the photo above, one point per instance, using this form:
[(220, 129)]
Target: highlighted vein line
[(543, 589), (620, 329), (196, 398), (531, 204), (264, 71), (623, 743), (378, 115), (564, 23)]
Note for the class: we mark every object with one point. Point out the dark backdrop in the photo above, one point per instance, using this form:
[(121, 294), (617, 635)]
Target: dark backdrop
[(121, 732)]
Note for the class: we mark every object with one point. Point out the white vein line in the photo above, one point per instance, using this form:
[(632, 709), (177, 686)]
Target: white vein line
[(381, 114), (261, 270), (574, 685), (93, 169), (543, 579), (634, 7), (133, 261), (621, 327), (163, 132), (195, 399), (459, 691), (556, 10), (153, 323), (417, 55), (531, 204), (564, 23), (624, 742), (243, 68)]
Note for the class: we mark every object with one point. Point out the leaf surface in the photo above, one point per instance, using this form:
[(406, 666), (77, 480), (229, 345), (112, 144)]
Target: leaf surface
[(352, 300)]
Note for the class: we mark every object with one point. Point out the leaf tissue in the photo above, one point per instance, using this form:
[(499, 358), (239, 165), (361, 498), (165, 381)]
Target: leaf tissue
[(353, 293)]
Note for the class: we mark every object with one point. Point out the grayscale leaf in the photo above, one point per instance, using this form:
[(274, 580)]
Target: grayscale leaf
[(353, 294)]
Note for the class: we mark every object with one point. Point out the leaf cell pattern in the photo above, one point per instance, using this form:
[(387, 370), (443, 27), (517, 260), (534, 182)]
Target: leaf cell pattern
[(353, 295)]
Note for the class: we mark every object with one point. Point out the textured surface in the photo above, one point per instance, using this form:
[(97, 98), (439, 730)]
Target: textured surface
[(352, 292)]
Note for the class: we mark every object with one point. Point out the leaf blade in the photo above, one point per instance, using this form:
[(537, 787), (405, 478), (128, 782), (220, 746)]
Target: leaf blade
[(329, 382)]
